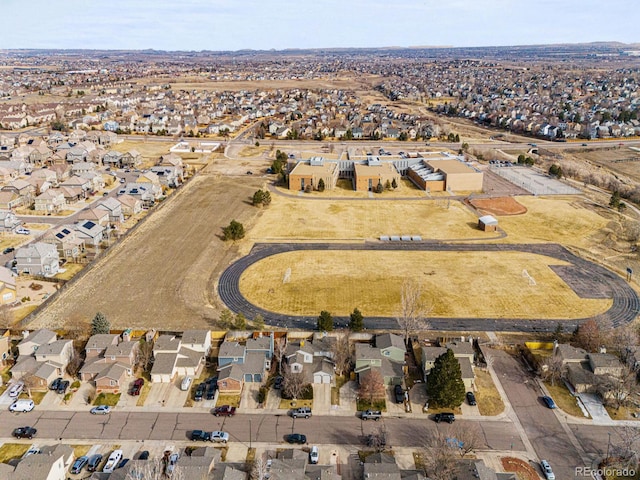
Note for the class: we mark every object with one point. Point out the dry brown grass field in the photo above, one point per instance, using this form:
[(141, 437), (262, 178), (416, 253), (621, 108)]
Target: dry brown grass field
[(456, 284), (618, 159), (163, 274)]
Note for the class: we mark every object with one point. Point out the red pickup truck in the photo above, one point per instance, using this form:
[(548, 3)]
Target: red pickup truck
[(224, 411)]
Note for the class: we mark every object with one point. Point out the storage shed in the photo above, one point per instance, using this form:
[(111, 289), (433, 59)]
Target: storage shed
[(488, 223)]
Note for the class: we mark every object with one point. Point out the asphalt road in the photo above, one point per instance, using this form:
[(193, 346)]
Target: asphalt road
[(244, 428)]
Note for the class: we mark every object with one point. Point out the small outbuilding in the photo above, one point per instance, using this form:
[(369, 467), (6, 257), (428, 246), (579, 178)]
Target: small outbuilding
[(488, 223)]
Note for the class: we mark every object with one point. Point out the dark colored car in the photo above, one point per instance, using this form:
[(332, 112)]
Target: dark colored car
[(471, 398), (79, 464), (277, 384), (548, 401), (212, 381), (136, 388), (399, 393), (123, 462), (444, 417), (296, 438), (200, 435), (211, 391), (8, 250), (55, 383), (25, 432), (94, 462), (199, 393), (62, 387), (224, 411), (144, 455)]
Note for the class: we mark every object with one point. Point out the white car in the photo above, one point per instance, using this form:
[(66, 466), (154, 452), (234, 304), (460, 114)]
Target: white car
[(22, 405), (314, 455), (219, 437), (171, 464), (23, 231), (101, 410), (34, 450), (113, 461), (186, 383), (16, 389), (546, 469)]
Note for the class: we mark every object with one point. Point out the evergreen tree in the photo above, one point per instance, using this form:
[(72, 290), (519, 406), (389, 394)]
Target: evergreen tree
[(233, 231), (445, 387), (100, 324), (614, 201), (394, 184), (258, 198), (325, 321), (321, 185), (356, 321), (266, 198)]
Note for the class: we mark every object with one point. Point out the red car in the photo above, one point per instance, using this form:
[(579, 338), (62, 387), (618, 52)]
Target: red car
[(224, 411), (137, 386)]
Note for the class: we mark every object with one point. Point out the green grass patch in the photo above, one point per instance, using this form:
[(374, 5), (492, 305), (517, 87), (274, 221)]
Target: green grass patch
[(5, 373), (231, 400), (75, 385), (36, 396), (364, 404), (489, 401), (563, 399), (287, 404), (9, 451), (67, 397), (104, 398)]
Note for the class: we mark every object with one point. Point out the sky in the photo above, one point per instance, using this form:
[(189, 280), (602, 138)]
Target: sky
[(281, 24)]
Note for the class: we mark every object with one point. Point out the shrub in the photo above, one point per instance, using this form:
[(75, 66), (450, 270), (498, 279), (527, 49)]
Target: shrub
[(262, 394), (308, 188)]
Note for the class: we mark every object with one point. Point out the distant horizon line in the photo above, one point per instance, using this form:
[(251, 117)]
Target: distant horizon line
[(610, 43)]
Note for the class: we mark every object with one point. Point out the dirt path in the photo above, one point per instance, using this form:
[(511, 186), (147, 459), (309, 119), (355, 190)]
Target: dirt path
[(163, 274)]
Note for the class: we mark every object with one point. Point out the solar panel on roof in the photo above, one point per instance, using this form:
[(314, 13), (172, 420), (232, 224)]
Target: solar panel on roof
[(89, 224), (66, 232), (59, 235)]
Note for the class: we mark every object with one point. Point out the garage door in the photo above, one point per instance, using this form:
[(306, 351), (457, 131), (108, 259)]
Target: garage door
[(326, 379), (317, 378)]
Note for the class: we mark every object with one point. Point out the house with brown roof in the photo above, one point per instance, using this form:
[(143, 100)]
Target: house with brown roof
[(66, 241), (130, 205), (51, 201), (96, 215), (10, 200)]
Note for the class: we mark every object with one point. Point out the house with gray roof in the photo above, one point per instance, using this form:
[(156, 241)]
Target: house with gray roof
[(42, 356), (51, 464), (38, 258), (384, 358), (8, 221), (244, 363), (172, 358), (312, 360), (90, 232), (462, 351), (114, 208)]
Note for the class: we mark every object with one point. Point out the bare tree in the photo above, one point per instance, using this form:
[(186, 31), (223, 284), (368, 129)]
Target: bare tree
[(626, 452), (552, 369), (413, 310), (6, 317), (145, 352), (469, 438), (30, 382), (279, 347), (439, 458), (618, 390), (371, 386), (73, 367), (154, 470), (293, 384), (258, 468), (588, 336), (378, 439), (341, 354)]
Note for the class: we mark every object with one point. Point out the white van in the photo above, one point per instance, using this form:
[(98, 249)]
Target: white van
[(113, 461), (22, 405), (186, 383)]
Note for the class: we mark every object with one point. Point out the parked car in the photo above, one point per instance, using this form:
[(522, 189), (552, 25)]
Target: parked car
[(62, 387), (22, 405), (548, 401), (201, 435), (24, 432), (136, 387), (23, 231), (211, 391), (171, 464), (399, 393), (277, 384), (304, 412), (224, 411), (79, 464), (123, 462), (8, 250), (444, 417), (546, 469), (186, 383), (16, 389), (33, 450), (371, 415), (199, 393), (296, 438), (94, 462), (471, 398), (101, 410), (314, 455), (112, 461), (122, 180), (144, 455), (55, 383), (219, 437)]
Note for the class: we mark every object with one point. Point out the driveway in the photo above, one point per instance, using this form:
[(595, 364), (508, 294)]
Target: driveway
[(321, 398), (249, 397), (418, 397), (594, 406), (167, 395), (348, 397), (393, 408)]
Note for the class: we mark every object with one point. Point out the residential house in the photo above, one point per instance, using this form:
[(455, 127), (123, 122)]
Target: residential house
[(91, 233), (95, 215), (5, 348), (51, 201), (38, 258), (244, 363), (52, 463), (172, 359), (168, 175), (462, 351), (112, 159), (83, 167), (147, 193), (10, 200), (292, 464), (7, 286), (61, 170), (23, 188), (384, 360), (72, 194), (114, 208), (75, 181), (313, 359), (130, 205), (34, 340), (66, 241), (110, 362), (42, 357), (8, 221), (131, 159)]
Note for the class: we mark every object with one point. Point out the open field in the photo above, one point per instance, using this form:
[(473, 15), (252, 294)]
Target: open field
[(362, 219), (163, 273), (565, 220), (456, 284), (618, 159)]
